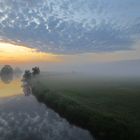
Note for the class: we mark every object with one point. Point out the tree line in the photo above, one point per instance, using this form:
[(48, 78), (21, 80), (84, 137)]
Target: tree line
[(29, 74), (7, 70)]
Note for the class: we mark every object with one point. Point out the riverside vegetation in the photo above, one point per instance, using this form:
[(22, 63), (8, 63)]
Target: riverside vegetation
[(107, 107)]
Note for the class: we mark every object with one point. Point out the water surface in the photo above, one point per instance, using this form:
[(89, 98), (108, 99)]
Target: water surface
[(24, 118)]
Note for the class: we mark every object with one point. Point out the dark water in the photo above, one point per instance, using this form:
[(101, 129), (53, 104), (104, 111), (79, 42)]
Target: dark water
[(24, 118)]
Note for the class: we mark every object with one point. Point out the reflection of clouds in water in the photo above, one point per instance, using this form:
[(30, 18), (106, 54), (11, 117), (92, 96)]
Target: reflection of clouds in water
[(44, 124)]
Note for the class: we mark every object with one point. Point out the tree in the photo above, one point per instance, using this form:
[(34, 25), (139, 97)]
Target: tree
[(35, 71), (27, 75), (6, 70)]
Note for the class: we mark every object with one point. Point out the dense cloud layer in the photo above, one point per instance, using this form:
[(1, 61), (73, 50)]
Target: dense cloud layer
[(70, 26)]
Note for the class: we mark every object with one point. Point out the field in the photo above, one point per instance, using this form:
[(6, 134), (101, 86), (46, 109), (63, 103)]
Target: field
[(107, 106)]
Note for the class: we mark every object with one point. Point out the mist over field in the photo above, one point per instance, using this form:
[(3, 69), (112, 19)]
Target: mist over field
[(127, 68)]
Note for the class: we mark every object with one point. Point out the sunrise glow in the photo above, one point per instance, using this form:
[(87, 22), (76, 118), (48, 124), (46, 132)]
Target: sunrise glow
[(11, 53)]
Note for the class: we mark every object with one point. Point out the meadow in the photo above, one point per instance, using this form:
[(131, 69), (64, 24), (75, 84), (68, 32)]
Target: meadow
[(107, 106)]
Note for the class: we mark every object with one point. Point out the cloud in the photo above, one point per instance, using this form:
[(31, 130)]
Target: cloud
[(68, 27)]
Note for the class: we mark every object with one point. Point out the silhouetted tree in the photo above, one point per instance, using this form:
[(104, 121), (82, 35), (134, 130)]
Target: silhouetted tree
[(35, 71), (27, 75), (6, 70)]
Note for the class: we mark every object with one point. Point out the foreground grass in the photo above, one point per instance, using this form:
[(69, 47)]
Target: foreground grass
[(108, 108)]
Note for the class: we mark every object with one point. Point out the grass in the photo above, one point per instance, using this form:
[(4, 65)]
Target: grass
[(108, 107)]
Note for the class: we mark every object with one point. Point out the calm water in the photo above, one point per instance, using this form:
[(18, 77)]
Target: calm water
[(24, 118)]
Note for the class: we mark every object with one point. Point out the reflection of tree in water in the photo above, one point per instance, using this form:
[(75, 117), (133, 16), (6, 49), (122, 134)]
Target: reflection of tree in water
[(6, 74), (26, 88), (6, 78)]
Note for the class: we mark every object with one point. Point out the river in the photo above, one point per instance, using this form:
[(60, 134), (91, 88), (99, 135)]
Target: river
[(24, 118)]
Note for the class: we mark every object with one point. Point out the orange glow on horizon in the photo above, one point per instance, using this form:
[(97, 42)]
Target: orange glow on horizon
[(11, 53)]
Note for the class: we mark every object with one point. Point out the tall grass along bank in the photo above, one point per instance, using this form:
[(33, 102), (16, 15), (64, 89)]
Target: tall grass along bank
[(102, 125)]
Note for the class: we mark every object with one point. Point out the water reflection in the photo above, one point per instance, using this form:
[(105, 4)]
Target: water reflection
[(6, 78), (10, 86), (27, 90), (24, 118)]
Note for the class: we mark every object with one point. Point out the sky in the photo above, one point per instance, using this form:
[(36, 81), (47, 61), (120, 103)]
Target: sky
[(69, 32)]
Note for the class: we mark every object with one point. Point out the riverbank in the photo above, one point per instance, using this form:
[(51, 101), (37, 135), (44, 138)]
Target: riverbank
[(86, 110)]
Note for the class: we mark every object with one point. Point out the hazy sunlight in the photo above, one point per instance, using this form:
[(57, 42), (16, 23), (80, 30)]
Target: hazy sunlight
[(10, 53)]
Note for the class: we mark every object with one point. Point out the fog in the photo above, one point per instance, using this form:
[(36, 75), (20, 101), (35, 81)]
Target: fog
[(119, 68), (130, 68)]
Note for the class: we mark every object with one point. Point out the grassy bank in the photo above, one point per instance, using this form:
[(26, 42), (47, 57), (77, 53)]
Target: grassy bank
[(109, 109)]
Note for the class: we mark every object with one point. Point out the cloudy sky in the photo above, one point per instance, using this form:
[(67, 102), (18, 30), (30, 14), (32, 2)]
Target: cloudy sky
[(72, 31)]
